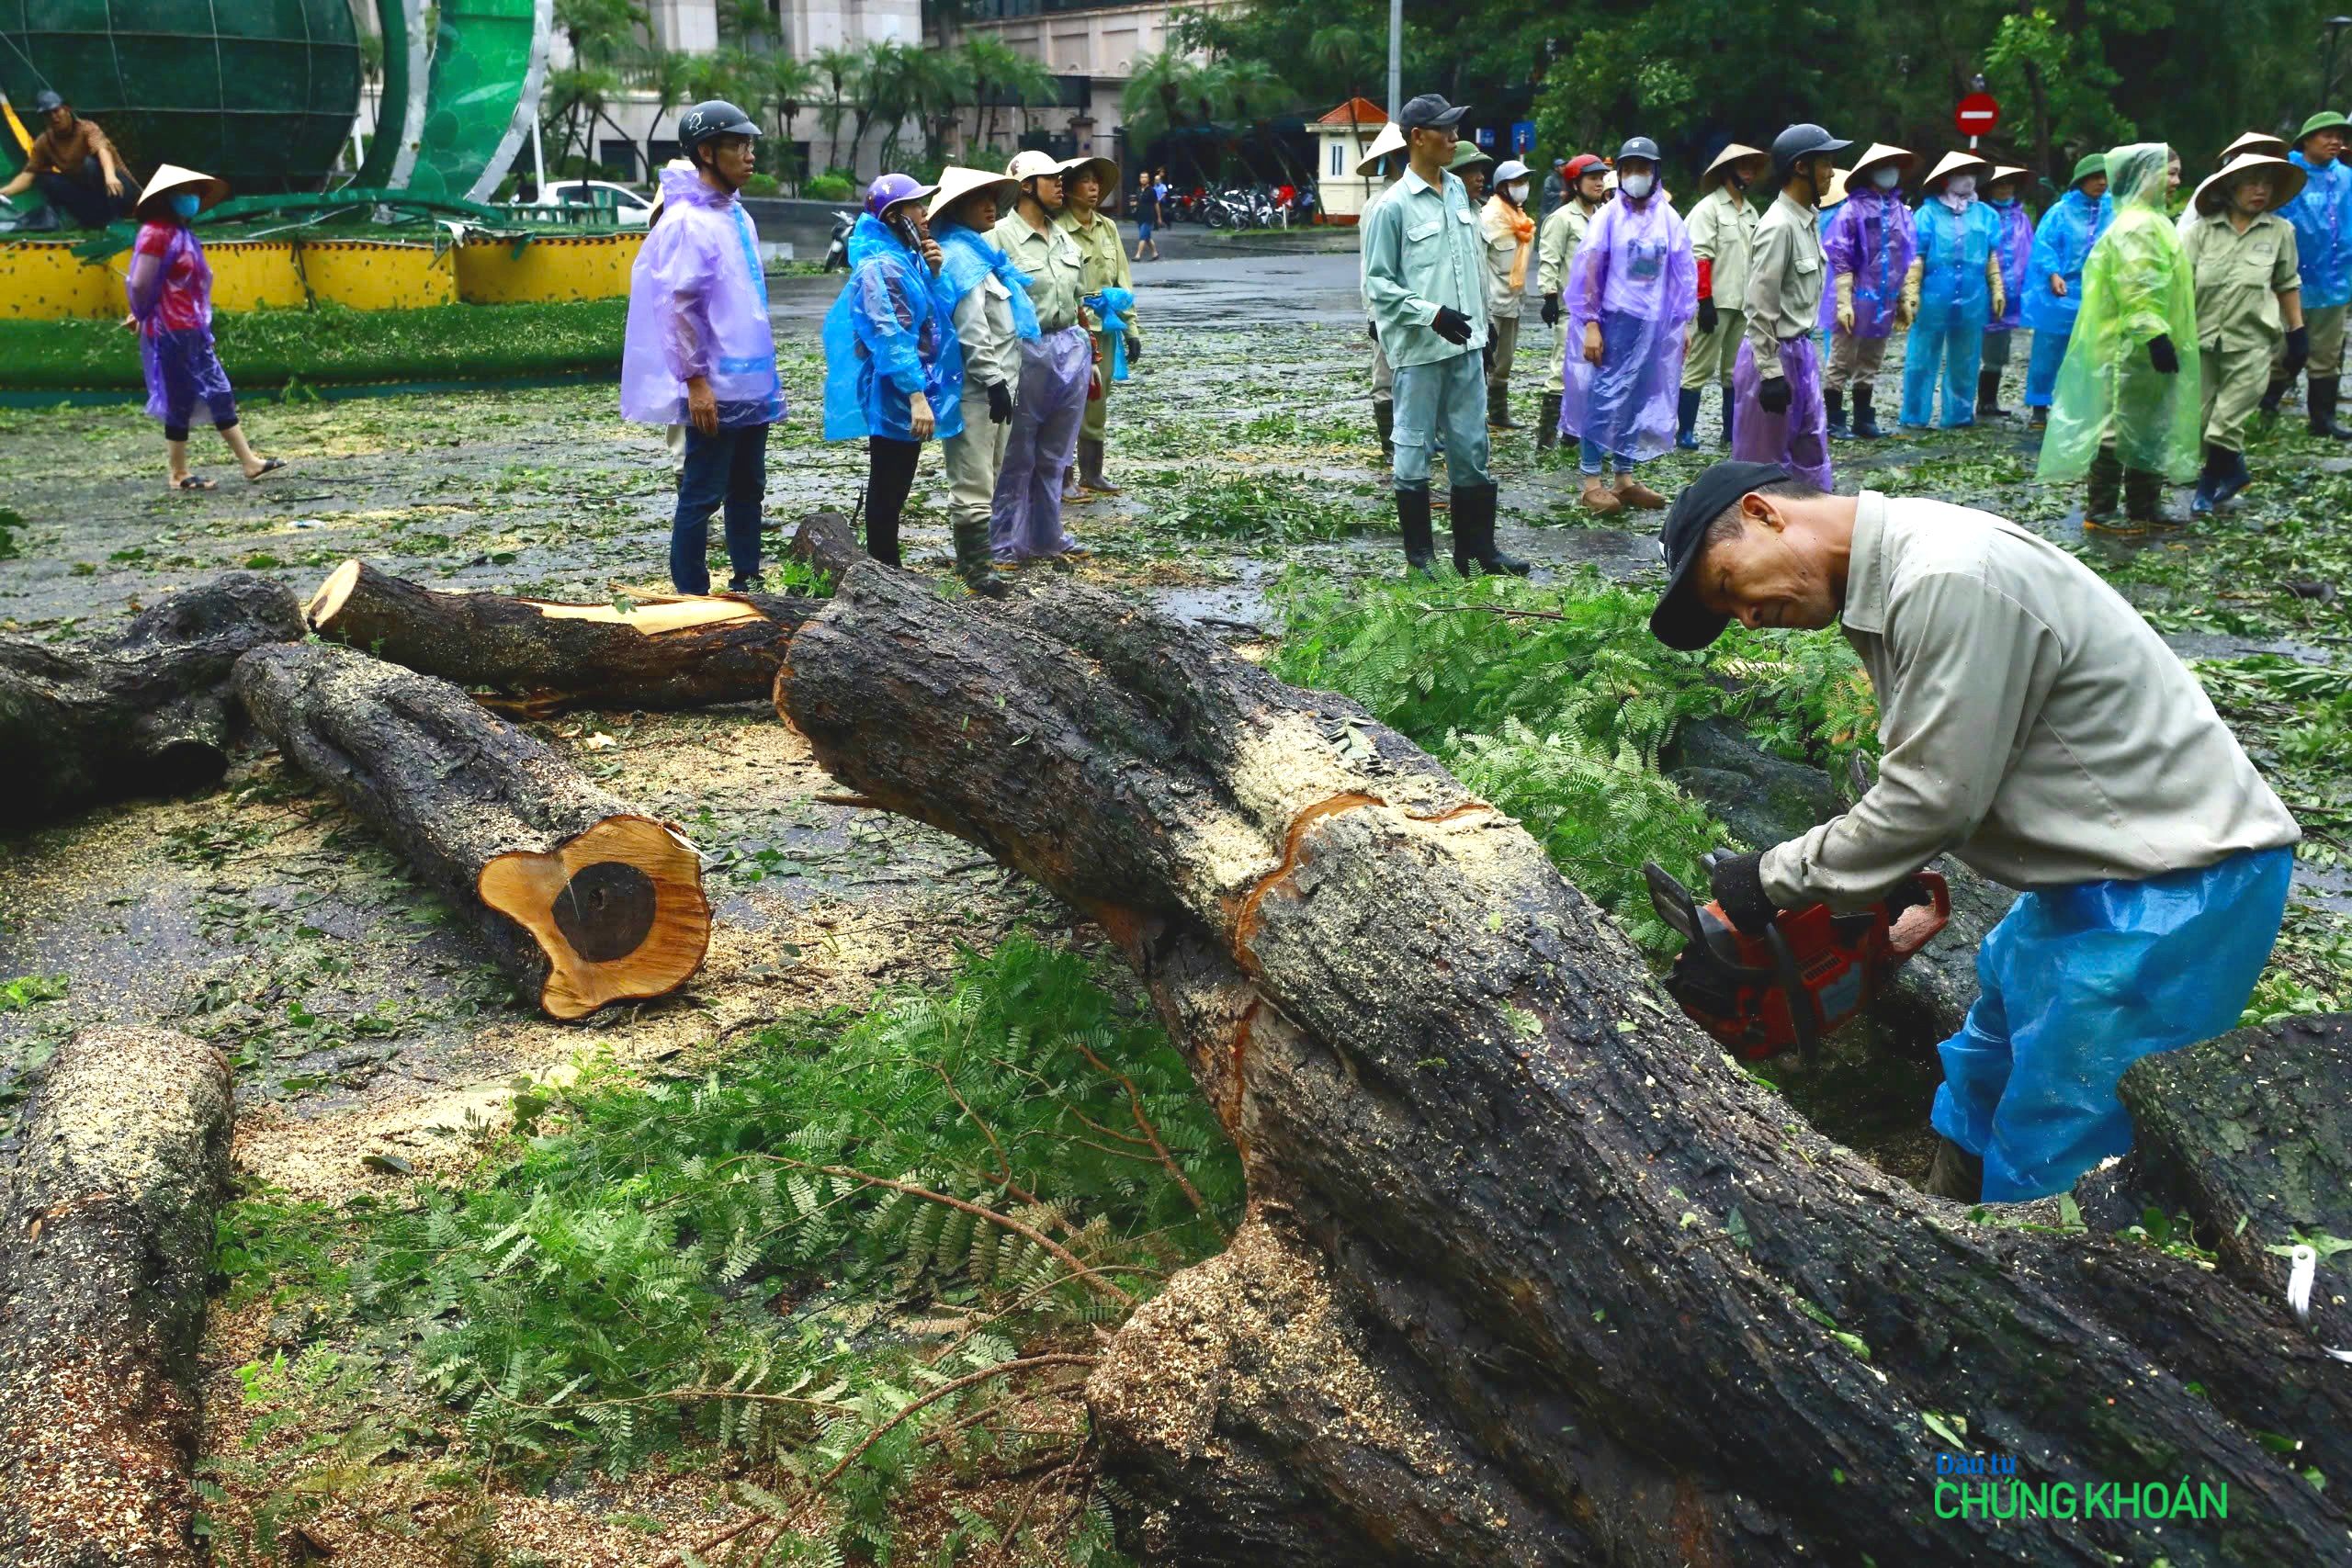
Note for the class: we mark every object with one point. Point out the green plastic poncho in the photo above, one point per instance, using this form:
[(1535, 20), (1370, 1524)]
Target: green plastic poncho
[(2136, 287)]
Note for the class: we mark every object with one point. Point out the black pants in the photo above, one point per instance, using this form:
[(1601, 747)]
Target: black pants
[(889, 475), (83, 198)]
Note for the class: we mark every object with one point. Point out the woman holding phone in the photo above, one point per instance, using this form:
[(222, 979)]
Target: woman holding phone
[(894, 370)]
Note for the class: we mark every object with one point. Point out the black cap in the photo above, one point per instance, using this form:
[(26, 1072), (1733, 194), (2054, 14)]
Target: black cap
[(46, 100), (1679, 620), (1428, 109)]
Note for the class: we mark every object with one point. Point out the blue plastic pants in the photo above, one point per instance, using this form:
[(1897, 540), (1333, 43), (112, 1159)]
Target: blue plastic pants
[(2080, 982), (2042, 370), (728, 468), (1942, 336), (1444, 398)]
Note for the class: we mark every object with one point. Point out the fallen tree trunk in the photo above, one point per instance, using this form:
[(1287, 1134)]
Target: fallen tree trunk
[(581, 898), (147, 714), (1532, 1273), (534, 657), (108, 1239)]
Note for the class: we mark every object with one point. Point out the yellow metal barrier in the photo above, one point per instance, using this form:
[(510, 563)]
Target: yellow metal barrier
[(40, 279)]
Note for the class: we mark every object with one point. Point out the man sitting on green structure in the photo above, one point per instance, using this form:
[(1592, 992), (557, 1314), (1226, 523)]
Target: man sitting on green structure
[(75, 168)]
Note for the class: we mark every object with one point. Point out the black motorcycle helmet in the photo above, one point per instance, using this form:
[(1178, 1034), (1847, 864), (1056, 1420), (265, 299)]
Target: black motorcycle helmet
[(1798, 143), (709, 119), (1639, 147)]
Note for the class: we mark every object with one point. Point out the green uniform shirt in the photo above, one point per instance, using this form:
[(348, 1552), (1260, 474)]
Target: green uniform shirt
[(1723, 228), (1557, 242), (1785, 278), (2239, 279), (1422, 250), (1103, 255), (1052, 259)]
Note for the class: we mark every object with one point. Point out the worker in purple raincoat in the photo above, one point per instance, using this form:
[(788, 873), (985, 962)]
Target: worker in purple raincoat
[(2016, 247), (700, 350), (1871, 245), (1631, 291), (1776, 381)]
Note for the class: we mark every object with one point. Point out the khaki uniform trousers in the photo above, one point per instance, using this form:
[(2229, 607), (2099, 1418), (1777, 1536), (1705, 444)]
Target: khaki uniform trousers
[(1091, 424), (1853, 360), (1503, 333), (2232, 380), (1712, 355), (972, 461), (2326, 327)]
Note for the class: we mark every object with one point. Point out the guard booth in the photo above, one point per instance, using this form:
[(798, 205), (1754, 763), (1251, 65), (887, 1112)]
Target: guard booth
[(1341, 138)]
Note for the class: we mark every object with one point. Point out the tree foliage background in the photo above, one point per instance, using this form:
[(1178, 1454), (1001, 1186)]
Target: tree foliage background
[(2072, 75)]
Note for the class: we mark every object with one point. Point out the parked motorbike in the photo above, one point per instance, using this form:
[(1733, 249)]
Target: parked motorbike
[(837, 254)]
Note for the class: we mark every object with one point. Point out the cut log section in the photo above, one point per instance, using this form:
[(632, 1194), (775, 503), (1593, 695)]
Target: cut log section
[(580, 897), (1532, 1273), (147, 714), (109, 1239), (534, 657)]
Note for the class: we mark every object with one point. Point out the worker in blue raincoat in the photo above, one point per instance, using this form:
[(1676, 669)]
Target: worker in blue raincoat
[(2001, 194), (894, 369), (1953, 289), (2322, 217), (2053, 292)]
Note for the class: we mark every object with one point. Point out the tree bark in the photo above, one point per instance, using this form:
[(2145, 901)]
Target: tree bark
[(109, 1218), (579, 897), (146, 714), (533, 658), (1532, 1273)]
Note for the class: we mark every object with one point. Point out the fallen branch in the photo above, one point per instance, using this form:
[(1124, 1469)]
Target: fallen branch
[(1150, 1133)]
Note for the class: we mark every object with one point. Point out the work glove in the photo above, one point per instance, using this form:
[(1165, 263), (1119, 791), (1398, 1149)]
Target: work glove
[(1707, 316), (1772, 394), (1909, 892), (2000, 301), (1451, 325), (1551, 310), (1000, 402), (2298, 349), (1845, 302), (2163, 356), (1737, 883), (1135, 348), (1371, 330)]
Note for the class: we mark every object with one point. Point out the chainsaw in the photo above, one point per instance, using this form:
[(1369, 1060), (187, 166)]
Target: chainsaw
[(1806, 976)]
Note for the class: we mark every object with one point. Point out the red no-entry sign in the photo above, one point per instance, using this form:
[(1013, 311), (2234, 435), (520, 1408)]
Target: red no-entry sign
[(1977, 115)]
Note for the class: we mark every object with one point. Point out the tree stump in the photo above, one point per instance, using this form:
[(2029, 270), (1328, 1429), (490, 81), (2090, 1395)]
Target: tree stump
[(109, 1222), (580, 897), (1532, 1273), (534, 657), (146, 714)]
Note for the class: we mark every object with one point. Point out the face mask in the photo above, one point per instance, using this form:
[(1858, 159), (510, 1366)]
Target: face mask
[(1887, 178), (1961, 186), (1519, 190), (184, 204), (1636, 185)]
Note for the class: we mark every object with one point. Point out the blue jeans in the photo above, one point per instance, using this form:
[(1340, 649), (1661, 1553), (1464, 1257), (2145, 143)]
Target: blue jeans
[(1444, 397), (731, 468), (2042, 370), (2080, 981), (1589, 458)]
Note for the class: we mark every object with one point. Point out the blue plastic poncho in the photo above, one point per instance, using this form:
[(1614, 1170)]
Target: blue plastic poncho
[(970, 256), (699, 306), (891, 334), (2136, 287), (1955, 303), (1111, 307), (2321, 214), (2080, 982), (1873, 238), (2061, 242), (2017, 244), (1635, 275)]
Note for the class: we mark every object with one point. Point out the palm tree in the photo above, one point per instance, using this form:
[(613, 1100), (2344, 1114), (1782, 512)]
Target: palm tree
[(747, 24), (666, 75), (844, 74), (785, 88), (987, 65), (1251, 90), (1161, 96), (1032, 85)]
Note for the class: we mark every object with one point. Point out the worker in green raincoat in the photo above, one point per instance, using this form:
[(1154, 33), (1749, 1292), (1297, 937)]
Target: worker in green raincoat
[(2126, 409)]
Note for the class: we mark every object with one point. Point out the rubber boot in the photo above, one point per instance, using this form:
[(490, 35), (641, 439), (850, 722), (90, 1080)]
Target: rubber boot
[(1865, 417), (1955, 1174), (2039, 418), (1730, 402), (2325, 390), (2105, 489), (1547, 424), (2273, 395), (1499, 410), (971, 537), (1384, 422), (2143, 500), (1686, 419), (1835, 402), (1474, 535), (1089, 467), (1071, 494), (1989, 395), (1413, 522), (2235, 479), (2209, 482)]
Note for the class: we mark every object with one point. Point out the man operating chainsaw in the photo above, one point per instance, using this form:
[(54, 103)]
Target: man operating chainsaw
[(2034, 725)]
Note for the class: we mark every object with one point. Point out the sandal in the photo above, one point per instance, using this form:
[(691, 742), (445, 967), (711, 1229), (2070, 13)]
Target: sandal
[(268, 466), (192, 482)]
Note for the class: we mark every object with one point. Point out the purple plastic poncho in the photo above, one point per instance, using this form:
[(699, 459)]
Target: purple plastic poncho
[(1798, 439), (169, 286), (699, 306), (2016, 246), (1634, 274), (1871, 237)]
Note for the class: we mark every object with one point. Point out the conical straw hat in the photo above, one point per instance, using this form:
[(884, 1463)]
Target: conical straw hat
[(211, 190), (1389, 141), (1957, 164), (2286, 181), (956, 183), (1882, 153), (1728, 158)]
